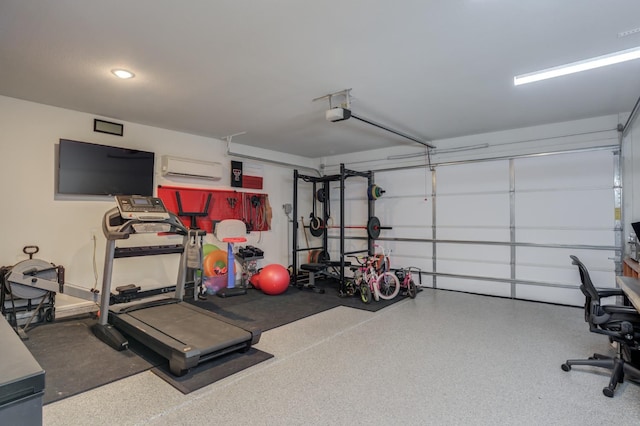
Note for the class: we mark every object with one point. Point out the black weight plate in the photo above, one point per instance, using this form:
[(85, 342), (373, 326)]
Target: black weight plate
[(323, 257), (373, 227), (316, 226)]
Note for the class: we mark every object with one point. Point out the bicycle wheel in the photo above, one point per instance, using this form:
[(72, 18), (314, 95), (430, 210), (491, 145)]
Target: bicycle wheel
[(373, 287), (411, 289), (388, 285), (349, 289), (365, 293)]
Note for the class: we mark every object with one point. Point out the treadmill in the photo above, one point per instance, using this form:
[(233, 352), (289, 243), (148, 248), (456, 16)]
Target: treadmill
[(182, 333)]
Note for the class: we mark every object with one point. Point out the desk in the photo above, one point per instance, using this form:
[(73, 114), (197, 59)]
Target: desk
[(630, 268), (631, 287)]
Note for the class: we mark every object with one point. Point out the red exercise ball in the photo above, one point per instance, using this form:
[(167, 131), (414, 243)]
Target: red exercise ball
[(274, 279), (255, 280)]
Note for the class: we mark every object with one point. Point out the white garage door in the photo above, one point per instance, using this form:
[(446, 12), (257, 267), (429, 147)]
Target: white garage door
[(506, 227)]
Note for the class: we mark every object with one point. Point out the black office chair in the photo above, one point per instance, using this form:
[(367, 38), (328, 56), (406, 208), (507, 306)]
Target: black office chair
[(620, 323)]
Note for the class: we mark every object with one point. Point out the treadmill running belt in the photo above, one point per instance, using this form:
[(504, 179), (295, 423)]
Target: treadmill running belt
[(183, 334), (191, 327)]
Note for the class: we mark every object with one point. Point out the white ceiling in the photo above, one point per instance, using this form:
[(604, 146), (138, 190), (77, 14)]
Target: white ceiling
[(430, 68)]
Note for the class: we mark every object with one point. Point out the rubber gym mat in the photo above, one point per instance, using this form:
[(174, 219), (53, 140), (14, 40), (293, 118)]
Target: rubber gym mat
[(256, 309), (211, 371), (75, 361)]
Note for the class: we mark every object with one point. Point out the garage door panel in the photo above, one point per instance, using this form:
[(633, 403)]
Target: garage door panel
[(400, 213), (474, 233), (565, 208), (481, 269), (474, 286), (563, 296), (559, 257), (473, 210), (474, 253), (565, 276), (571, 170), (405, 183), (566, 236), (407, 231), (473, 177)]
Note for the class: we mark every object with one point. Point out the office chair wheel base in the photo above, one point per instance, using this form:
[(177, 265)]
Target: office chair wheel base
[(565, 367), (608, 392)]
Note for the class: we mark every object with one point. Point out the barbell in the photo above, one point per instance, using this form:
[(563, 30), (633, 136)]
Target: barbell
[(317, 227)]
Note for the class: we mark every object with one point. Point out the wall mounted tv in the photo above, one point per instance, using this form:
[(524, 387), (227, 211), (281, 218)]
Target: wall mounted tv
[(91, 169)]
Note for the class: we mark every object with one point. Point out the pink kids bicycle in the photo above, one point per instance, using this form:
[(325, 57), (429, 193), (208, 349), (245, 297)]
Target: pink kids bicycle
[(373, 279), (407, 284)]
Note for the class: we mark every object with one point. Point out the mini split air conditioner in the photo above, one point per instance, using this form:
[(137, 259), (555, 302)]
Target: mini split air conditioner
[(185, 167)]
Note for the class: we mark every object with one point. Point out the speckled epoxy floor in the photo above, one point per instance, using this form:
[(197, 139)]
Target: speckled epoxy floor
[(442, 358)]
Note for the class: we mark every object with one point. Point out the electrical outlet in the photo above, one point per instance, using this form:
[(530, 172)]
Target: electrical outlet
[(93, 234)]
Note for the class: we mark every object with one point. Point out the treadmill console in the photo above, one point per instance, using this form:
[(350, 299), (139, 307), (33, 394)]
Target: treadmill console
[(141, 208)]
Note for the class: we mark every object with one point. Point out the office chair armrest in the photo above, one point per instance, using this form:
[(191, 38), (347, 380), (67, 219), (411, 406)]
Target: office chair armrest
[(610, 292), (620, 309)]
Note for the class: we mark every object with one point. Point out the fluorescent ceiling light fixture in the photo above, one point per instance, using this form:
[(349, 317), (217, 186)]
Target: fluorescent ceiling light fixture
[(588, 64), (124, 74)]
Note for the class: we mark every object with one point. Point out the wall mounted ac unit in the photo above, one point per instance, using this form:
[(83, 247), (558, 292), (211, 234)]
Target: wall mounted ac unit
[(185, 167)]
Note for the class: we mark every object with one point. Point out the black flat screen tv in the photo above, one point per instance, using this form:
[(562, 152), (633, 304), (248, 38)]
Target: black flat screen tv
[(91, 169)]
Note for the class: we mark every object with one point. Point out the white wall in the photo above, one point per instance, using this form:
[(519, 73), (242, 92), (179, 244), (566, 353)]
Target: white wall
[(62, 228)]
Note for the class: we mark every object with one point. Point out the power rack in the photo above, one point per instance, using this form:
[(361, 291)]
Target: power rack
[(321, 187)]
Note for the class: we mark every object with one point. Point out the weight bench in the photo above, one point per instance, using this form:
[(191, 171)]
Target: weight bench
[(313, 269)]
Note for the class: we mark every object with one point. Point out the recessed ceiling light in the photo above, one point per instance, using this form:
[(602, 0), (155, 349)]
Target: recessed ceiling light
[(588, 64), (124, 74)]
